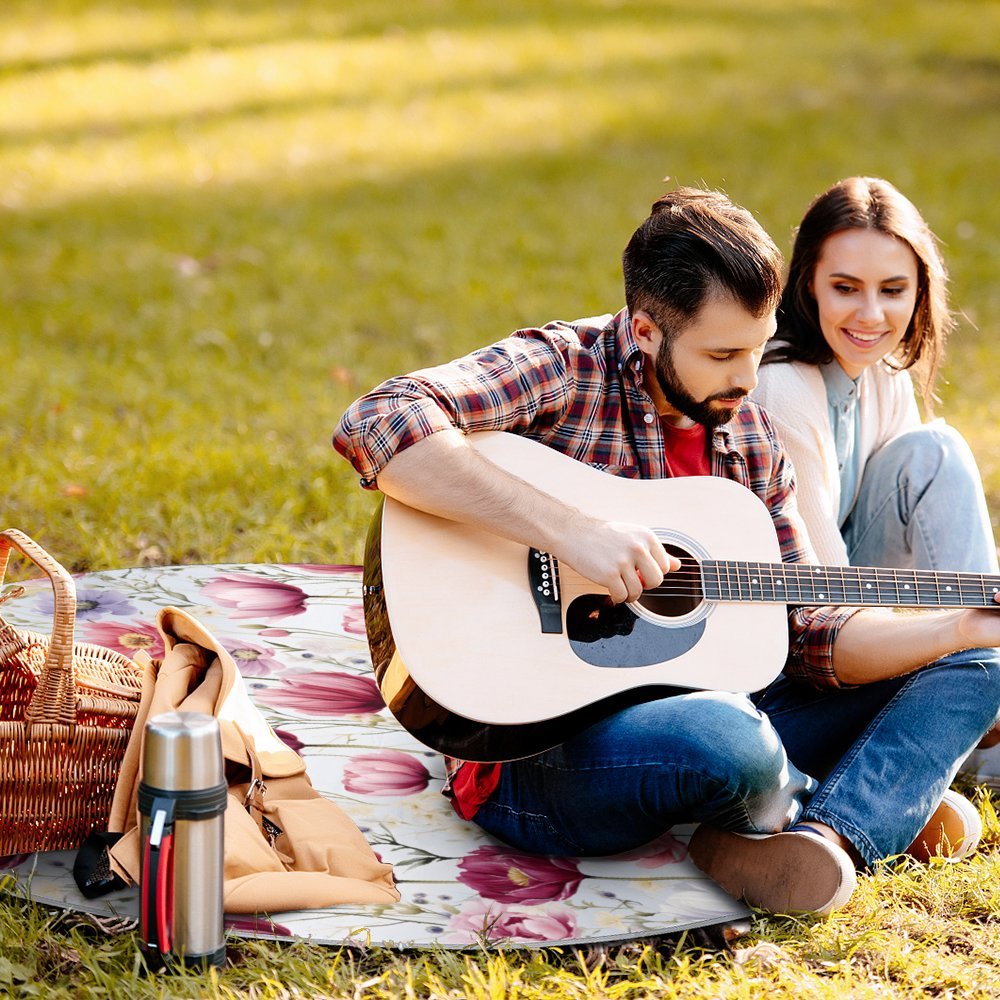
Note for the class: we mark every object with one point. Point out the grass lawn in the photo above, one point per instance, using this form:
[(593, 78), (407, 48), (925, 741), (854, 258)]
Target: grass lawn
[(222, 221)]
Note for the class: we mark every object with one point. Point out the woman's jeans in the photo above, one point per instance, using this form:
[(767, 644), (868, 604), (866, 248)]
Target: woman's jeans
[(920, 505), (884, 753)]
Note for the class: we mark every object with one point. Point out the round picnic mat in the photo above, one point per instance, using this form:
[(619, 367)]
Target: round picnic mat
[(297, 634)]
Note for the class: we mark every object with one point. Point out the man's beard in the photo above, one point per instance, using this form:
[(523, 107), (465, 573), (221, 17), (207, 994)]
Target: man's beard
[(680, 399)]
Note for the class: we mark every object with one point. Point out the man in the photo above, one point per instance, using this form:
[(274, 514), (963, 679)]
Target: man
[(852, 749)]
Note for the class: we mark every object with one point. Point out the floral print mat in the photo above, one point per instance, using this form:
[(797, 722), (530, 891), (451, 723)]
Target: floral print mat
[(297, 634)]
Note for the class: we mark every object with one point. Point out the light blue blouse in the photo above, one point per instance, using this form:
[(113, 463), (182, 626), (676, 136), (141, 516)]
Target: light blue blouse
[(842, 402)]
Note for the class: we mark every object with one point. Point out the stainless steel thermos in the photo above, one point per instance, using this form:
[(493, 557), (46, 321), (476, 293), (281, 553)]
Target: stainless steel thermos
[(182, 801)]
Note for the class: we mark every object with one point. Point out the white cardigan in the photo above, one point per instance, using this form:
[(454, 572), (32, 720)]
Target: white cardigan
[(794, 395)]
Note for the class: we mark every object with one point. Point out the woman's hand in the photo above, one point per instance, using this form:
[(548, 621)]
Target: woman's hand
[(980, 627)]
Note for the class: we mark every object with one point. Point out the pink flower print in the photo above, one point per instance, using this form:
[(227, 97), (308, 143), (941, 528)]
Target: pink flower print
[(385, 772), (482, 920), (255, 597), (252, 660), (510, 877), (289, 739), (126, 639), (665, 850), (324, 693), (256, 926), (354, 619)]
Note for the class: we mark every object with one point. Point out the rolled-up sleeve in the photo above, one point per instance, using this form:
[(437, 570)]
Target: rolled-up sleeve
[(812, 632), (515, 384)]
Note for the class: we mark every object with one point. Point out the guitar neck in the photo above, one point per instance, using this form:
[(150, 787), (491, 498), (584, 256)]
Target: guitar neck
[(801, 583)]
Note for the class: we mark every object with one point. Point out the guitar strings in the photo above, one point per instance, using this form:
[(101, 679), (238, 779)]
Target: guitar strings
[(690, 581)]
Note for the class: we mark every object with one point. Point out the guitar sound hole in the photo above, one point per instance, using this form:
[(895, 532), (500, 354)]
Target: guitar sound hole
[(680, 593)]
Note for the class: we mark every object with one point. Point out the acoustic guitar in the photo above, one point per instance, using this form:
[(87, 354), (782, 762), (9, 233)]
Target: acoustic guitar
[(488, 650)]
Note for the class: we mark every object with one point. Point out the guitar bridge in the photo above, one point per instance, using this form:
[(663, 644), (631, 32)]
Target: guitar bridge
[(543, 578)]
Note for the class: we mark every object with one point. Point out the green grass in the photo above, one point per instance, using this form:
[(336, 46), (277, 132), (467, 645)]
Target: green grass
[(221, 221), (910, 932)]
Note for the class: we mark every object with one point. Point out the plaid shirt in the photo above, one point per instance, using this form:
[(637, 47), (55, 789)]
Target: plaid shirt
[(577, 387)]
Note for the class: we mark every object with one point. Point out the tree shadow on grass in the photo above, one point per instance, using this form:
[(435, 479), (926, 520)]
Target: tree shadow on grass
[(227, 25)]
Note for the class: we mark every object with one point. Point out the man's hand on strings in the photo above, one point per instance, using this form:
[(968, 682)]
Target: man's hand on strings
[(624, 558)]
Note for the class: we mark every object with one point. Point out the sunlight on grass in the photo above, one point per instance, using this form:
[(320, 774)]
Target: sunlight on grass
[(237, 106), (354, 107)]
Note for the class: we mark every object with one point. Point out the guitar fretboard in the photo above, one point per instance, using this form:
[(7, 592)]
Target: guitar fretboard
[(800, 583)]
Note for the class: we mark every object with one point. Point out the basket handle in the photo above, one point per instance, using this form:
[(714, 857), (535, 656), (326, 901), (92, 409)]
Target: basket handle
[(54, 700)]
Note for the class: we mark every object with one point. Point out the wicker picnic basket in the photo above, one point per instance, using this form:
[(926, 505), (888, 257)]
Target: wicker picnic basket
[(66, 711)]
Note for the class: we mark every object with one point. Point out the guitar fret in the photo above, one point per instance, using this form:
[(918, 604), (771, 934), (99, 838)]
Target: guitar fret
[(949, 589), (776, 577), (814, 585), (968, 588), (808, 586), (923, 595), (775, 593), (767, 583), (707, 568), (829, 594), (851, 584), (716, 581), (798, 597), (721, 581), (787, 583), (909, 592), (991, 587), (867, 586)]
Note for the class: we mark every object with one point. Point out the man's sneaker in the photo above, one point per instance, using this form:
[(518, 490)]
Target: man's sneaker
[(788, 872), (953, 831)]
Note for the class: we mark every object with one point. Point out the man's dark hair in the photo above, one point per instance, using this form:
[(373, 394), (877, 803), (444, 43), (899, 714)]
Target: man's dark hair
[(694, 244)]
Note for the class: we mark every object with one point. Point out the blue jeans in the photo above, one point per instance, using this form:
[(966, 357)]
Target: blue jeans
[(921, 506), (884, 753), (705, 756)]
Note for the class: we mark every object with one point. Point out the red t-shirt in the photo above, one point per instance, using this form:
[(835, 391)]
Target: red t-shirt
[(686, 450), (686, 455)]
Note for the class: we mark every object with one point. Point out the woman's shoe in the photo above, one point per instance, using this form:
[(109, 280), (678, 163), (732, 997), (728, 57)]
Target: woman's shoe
[(953, 831)]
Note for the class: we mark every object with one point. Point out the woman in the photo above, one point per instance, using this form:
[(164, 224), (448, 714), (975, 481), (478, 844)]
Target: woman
[(865, 304)]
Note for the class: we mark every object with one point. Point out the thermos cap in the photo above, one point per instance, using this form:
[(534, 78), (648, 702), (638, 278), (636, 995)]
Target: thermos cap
[(182, 752)]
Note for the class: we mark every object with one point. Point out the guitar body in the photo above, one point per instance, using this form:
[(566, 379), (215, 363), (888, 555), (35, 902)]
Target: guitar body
[(473, 665)]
